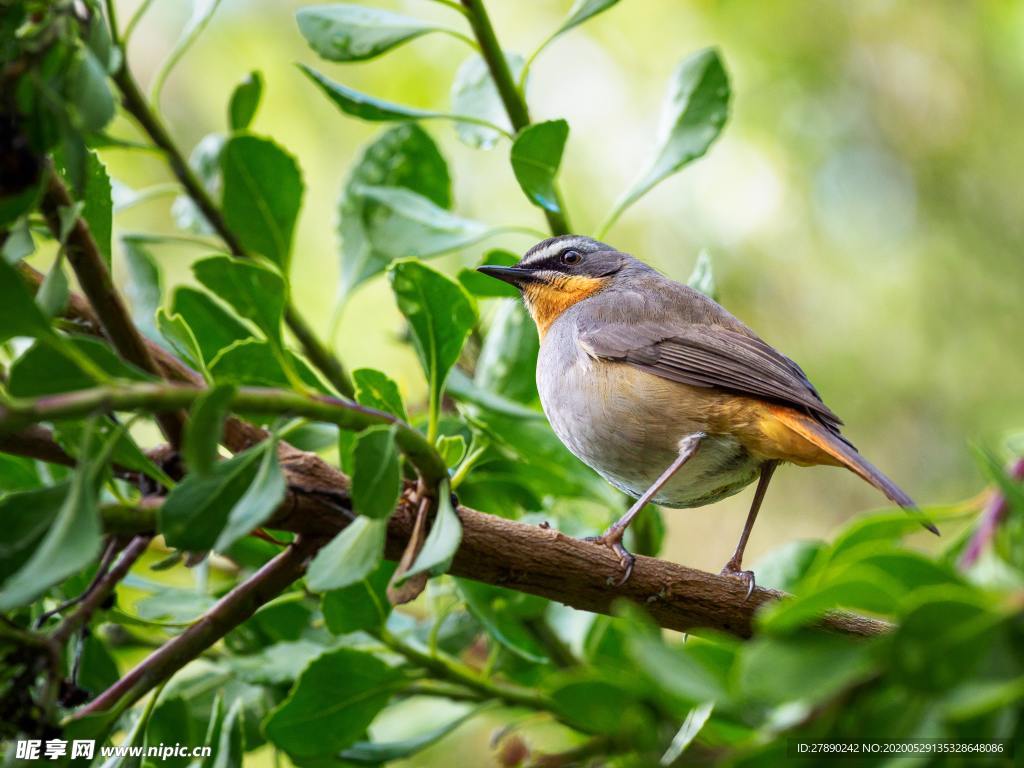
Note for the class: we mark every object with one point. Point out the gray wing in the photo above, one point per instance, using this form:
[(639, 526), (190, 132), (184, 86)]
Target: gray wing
[(708, 355)]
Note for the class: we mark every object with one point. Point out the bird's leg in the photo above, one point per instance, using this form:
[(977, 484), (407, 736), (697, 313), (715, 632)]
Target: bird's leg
[(612, 538), (734, 566)]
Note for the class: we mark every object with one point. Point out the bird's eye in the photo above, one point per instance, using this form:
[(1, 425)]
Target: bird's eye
[(571, 257)]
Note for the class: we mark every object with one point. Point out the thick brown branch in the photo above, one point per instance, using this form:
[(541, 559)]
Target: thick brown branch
[(94, 277)]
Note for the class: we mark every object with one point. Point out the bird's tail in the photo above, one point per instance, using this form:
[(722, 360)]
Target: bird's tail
[(845, 454)]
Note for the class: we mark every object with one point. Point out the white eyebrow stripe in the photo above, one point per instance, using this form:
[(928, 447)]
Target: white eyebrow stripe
[(553, 248)]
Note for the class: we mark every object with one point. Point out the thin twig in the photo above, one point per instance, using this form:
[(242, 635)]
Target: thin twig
[(109, 552)]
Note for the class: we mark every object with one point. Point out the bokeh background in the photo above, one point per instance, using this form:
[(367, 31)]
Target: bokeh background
[(863, 209)]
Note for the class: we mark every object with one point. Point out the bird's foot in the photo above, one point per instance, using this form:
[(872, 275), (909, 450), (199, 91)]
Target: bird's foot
[(613, 540), (746, 577)]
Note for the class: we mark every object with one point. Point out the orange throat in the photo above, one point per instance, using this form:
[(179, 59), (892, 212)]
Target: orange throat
[(547, 300)]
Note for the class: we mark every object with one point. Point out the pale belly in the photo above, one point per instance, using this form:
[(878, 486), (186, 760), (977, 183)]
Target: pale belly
[(626, 424)]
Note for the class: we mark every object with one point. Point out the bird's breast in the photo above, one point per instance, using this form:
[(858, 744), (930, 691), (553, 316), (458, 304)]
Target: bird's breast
[(626, 424)]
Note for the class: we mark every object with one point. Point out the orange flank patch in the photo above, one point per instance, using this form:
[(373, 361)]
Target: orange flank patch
[(547, 300), (791, 436)]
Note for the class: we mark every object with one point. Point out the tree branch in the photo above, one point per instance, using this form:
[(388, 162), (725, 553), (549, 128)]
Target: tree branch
[(511, 98), (94, 277), (230, 611), (135, 103)]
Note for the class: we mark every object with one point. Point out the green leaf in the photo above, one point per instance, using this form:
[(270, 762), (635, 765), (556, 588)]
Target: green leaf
[(440, 315), (42, 371), (376, 390), (19, 313), (53, 294), (581, 11), (214, 327), (89, 92), (28, 516), (245, 99), (254, 363), (198, 507), (702, 277), (475, 95), (409, 224), (177, 333), (361, 606), (403, 156), (536, 155), (477, 284), (205, 161), (377, 480), (144, 290), (443, 540), (344, 32), (202, 12), (688, 731), (377, 753), (357, 104), (19, 243), (98, 211), (502, 614), (254, 291), (693, 116), (350, 556), (332, 703), (451, 448), (71, 542), (226, 739), (205, 427), (262, 196), (508, 358), (597, 704)]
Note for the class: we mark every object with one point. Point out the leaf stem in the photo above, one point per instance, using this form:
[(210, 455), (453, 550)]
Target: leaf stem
[(515, 104)]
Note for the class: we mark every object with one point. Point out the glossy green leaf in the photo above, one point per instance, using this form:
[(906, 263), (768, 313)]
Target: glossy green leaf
[(262, 196), (594, 703), (702, 278), (360, 606), (377, 479), (376, 390), (253, 291), (226, 739), (144, 290), (205, 427), (440, 315), (360, 105), (346, 32), (350, 556), (19, 243), (409, 224), (98, 208), (332, 703), (442, 541), (502, 613), (245, 100), (694, 113), (70, 543), (475, 95), (198, 507), (214, 327), (536, 156), (27, 516), (695, 720), (403, 156)]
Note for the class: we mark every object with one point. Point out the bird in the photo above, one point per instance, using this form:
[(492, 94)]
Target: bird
[(666, 394)]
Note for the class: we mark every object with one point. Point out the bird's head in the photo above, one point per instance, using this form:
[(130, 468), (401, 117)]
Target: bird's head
[(559, 272)]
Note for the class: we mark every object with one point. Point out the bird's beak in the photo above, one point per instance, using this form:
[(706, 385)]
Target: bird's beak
[(514, 275)]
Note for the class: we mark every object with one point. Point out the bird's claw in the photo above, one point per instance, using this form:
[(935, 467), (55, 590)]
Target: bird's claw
[(626, 559), (746, 577)]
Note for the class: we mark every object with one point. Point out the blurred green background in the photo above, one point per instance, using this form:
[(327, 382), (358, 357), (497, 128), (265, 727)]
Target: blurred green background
[(862, 209)]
